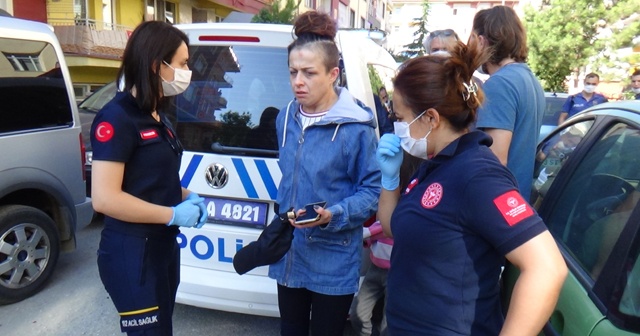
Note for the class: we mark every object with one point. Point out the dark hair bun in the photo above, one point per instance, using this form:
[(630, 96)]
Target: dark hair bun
[(316, 23)]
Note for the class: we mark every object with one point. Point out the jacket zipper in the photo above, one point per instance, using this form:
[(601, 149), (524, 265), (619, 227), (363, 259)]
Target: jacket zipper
[(295, 190)]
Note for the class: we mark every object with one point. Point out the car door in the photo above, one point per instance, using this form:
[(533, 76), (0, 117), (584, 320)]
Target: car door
[(586, 189)]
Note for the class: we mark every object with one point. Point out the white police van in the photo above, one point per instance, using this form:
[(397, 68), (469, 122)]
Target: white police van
[(226, 122)]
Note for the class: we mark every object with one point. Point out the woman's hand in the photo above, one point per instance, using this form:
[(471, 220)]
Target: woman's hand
[(325, 217)]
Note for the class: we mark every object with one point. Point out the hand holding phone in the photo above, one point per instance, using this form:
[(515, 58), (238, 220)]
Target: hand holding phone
[(310, 214)]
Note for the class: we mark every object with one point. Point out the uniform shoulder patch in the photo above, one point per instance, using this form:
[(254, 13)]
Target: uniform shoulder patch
[(513, 207), (148, 134), (104, 131), (432, 196), (412, 184)]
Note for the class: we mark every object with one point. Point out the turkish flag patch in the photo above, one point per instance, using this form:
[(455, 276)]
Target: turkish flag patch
[(513, 207), (104, 131), (148, 134)]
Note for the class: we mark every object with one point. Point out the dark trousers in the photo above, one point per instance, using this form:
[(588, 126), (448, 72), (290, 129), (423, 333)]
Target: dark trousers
[(141, 274), (328, 312)]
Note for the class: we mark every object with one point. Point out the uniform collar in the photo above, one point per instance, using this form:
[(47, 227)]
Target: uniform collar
[(470, 140), (467, 141)]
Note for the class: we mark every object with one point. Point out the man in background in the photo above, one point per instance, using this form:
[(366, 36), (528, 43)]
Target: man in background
[(635, 83), (514, 105), (583, 100)]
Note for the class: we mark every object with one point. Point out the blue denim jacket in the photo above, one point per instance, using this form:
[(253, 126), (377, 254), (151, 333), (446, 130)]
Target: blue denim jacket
[(333, 161)]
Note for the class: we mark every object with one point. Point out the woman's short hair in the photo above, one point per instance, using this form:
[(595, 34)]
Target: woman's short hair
[(150, 43), (504, 32), (317, 31)]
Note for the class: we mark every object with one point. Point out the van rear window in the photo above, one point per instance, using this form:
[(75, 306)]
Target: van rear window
[(233, 100), (33, 94)]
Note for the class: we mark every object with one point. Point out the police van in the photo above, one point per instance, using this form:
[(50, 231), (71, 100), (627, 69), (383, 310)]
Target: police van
[(226, 123)]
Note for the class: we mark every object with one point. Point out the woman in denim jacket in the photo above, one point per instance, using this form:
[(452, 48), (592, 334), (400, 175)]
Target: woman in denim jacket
[(327, 146)]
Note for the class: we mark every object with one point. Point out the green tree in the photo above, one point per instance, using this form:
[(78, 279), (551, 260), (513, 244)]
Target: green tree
[(374, 79), (566, 35), (275, 13), (416, 48)]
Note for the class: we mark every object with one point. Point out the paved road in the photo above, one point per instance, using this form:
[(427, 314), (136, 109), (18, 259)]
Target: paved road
[(75, 303)]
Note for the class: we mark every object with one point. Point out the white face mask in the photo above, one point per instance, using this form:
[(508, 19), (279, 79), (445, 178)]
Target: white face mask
[(181, 80), (636, 90), (589, 88), (417, 148)]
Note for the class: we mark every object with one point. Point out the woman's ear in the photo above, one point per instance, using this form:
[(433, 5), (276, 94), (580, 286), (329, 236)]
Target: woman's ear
[(433, 117), (334, 73)]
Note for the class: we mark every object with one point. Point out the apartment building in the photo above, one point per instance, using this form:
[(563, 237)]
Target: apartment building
[(443, 14), (93, 33)]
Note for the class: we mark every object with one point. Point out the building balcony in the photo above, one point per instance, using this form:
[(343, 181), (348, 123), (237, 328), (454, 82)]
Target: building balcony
[(85, 37)]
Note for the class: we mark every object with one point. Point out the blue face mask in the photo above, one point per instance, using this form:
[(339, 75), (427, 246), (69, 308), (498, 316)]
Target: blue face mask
[(415, 147)]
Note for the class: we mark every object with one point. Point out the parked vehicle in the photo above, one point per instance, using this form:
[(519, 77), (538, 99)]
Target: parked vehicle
[(554, 102), (42, 188), (87, 110), (587, 188)]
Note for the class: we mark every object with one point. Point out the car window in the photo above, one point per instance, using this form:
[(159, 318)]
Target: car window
[(33, 94), (552, 154), (597, 201), (99, 98), (552, 110), (233, 100)]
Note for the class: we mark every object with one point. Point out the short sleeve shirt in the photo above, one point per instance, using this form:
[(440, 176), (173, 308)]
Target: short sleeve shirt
[(578, 103), (514, 101), (150, 151), (457, 219)]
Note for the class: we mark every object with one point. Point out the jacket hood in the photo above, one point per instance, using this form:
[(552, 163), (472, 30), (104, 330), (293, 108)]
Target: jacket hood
[(347, 109)]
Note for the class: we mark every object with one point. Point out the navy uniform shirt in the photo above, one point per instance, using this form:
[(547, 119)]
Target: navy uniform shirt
[(578, 102), (459, 216), (150, 151)]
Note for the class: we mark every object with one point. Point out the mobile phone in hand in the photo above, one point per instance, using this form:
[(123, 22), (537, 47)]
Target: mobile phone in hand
[(310, 215)]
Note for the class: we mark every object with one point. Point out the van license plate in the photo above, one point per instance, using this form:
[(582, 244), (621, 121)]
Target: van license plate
[(244, 213)]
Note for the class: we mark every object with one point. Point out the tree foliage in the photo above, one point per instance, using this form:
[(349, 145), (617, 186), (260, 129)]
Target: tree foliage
[(564, 36), (274, 13), (374, 79), (416, 48)]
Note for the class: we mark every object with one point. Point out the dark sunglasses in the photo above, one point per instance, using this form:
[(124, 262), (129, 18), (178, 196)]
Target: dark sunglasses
[(445, 32)]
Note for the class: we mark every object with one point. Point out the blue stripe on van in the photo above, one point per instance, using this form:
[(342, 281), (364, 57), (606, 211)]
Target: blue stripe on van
[(191, 170), (267, 179), (244, 177)]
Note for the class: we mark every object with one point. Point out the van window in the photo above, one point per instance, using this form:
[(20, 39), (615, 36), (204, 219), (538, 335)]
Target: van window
[(233, 100), (33, 94)]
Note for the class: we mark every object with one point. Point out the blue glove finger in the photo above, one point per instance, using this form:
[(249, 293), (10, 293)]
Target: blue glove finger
[(204, 214), (186, 214), (391, 140), (389, 157)]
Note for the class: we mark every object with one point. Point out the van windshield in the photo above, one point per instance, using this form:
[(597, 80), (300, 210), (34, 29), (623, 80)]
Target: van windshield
[(233, 100)]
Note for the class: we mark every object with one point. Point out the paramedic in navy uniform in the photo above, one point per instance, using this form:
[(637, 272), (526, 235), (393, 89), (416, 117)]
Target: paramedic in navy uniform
[(136, 183), (460, 216)]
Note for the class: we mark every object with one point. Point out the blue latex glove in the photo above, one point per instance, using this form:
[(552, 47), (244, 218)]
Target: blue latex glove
[(204, 214), (389, 157), (187, 213)]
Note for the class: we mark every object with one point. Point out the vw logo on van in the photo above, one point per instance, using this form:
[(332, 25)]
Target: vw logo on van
[(216, 175)]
